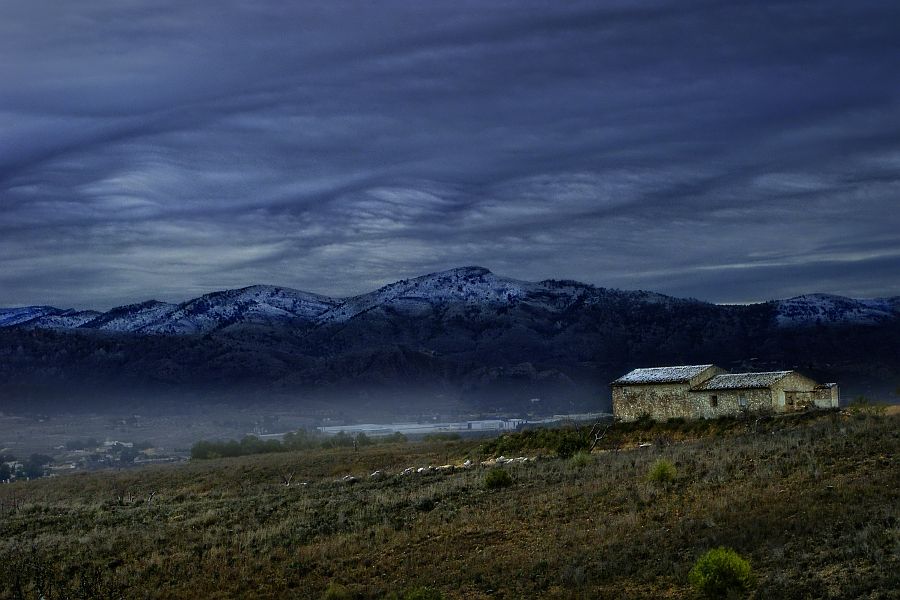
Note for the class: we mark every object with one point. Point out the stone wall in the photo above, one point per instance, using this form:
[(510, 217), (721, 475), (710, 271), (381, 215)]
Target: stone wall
[(659, 400), (663, 401), (827, 396), (794, 392), (733, 402), (676, 400)]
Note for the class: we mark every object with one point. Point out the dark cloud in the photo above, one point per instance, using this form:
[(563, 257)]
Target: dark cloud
[(727, 151)]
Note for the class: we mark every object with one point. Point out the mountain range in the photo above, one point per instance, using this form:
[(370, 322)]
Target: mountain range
[(464, 336)]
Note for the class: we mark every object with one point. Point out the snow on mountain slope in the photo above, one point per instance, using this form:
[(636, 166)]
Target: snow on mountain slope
[(474, 293), (131, 317), (474, 286), (10, 317), (812, 309), (259, 304), (468, 293), (45, 317), (67, 319)]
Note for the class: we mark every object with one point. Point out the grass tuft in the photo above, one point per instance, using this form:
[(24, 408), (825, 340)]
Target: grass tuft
[(662, 472)]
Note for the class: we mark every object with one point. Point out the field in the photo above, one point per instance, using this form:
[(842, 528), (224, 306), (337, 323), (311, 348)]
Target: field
[(812, 502)]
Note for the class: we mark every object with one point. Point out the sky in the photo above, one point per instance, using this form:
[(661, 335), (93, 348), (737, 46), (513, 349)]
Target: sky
[(732, 152)]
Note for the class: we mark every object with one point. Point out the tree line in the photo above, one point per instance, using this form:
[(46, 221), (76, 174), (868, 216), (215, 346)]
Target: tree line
[(297, 440)]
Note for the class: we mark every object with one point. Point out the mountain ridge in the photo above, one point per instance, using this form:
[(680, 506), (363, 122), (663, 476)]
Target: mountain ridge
[(466, 337), (470, 285)]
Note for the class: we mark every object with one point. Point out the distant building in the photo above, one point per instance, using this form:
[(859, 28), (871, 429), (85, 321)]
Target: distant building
[(372, 429), (113, 443), (707, 391)]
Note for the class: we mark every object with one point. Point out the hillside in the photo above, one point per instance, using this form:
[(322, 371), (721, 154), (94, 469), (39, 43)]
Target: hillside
[(465, 336), (811, 501)]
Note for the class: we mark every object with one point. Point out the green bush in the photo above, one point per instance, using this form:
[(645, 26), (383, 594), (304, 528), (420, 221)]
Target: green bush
[(336, 591), (862, 406), (564, 441), (249, 444), (580, 459), (569, 445), (497, 478), (720, 571), (662, 472)]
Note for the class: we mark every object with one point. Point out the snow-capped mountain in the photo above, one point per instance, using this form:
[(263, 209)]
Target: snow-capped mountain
[(472, 286), (67, 319), (472, 293), (10, 317), (258, 304), (132, 317), (819, 309), (45, 317)]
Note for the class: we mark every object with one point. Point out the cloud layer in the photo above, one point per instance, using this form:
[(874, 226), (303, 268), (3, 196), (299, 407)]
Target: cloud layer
[(731, 152)]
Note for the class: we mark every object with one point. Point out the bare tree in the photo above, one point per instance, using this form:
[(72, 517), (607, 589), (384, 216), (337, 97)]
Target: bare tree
[(286, 478), (598, 432)]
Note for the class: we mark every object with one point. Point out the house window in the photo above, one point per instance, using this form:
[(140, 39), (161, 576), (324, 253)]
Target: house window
[(713, 401), (742, 400)]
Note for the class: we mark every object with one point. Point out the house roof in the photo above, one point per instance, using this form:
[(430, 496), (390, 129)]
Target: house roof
[(736, 381), (662, 374)]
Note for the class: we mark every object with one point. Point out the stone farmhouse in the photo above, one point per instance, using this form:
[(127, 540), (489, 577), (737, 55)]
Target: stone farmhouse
[(707, 391)]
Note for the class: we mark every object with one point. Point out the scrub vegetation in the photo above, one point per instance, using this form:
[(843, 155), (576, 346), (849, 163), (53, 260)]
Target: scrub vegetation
[(810, 502), (719, 572)]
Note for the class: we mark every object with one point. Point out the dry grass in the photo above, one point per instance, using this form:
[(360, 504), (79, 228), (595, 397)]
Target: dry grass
[(812, 504)]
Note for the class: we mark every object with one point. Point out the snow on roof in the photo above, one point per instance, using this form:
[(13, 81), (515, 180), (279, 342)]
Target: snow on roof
[(662, 374), (735, 381)]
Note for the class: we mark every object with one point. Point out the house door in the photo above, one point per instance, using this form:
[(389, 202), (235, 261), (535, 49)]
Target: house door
[(790, 400)]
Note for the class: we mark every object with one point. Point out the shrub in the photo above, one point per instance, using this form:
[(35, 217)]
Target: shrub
[(301, 440), (425, 504), (336, 591), (249, 444), (861, 406), (580, 459), (720, 571), (564, 441), (645, 421), (662, 472), (570, 444), (339, 440), (497, 478)]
